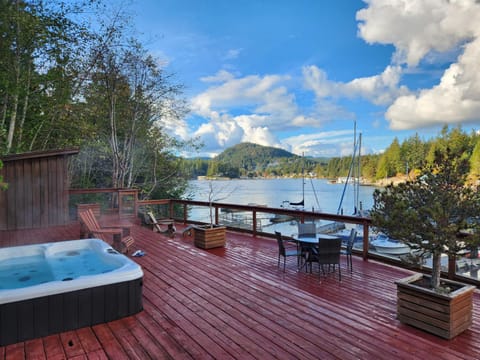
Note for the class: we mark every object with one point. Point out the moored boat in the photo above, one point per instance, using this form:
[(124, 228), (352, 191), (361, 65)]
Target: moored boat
[(344, 234), (384, 245)]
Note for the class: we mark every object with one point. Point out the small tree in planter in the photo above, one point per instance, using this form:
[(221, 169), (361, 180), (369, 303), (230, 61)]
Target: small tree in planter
[(215, 195), (211, 199), (430, 212), (212, 235)]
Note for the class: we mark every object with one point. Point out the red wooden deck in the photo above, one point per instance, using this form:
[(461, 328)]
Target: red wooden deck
[(234, 303)]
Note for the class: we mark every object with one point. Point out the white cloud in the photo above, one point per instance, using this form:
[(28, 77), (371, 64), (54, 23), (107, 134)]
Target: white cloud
[(232, 54), (219, 77), (221, 132), (254, 108), (250, 108), (178, 127), (419, 29), (455, 100), (380, 89), (317, 80), (252, 91), (171, 122), (327, 143)]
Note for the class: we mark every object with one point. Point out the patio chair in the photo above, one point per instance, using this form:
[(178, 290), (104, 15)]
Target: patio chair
[(170, 231), (122, 240), (285, 251), (327, 252), (145, 219), (348, 249), (307, 229)]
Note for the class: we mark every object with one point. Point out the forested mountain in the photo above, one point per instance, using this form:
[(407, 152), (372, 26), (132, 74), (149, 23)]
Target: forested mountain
[(252, 156), (399, 159), (253, 160)]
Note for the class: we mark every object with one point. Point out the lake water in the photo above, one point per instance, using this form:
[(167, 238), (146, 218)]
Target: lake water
[(320, 196), (272, 192)]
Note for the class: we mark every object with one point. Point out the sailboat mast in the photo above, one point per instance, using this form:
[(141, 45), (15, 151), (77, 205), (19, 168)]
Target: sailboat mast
[(303, 178), (301, 203), (358, 175), (354, 172), (355, 167)]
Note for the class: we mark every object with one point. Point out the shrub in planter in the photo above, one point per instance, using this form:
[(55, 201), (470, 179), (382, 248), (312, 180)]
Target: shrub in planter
[(431, 212)]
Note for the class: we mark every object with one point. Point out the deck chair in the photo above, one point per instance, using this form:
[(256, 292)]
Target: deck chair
[(307, 229), (170, 231), (122, 241), (285, 252), (327, 253), (348, 249), (189, 230)]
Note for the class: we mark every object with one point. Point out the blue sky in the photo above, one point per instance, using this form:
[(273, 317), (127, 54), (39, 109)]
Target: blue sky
[(299, 74)]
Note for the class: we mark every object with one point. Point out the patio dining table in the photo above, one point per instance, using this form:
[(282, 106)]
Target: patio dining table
[(314, 239), (307, 244)]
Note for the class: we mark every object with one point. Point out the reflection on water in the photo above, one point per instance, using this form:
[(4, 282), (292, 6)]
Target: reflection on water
[(272, 192)]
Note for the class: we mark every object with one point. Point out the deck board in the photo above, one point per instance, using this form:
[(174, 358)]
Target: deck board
[(235, 303)]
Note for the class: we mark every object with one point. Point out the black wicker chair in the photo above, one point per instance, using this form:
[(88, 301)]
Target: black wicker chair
[(285, 252), (327, 252), (307, 229), (348, 249)]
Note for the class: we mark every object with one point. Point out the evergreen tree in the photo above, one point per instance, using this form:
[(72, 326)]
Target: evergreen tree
[(369, 166), (429, 212), (413, 152), (212, 169), (474, 175), (390, 163)]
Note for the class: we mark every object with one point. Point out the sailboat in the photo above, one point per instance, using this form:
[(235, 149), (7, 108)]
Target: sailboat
[(353, 179), (286, 204), (290, 206), (354, 175)]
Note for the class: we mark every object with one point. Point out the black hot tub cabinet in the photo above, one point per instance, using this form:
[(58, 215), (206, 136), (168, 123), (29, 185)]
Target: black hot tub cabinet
[(68, 303)]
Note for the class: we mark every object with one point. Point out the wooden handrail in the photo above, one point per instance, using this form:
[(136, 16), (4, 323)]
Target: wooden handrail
[(254, 210), (366, 222)]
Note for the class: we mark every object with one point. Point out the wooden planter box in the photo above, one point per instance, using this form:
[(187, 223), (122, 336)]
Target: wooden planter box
[(206, 237), (445, 315)]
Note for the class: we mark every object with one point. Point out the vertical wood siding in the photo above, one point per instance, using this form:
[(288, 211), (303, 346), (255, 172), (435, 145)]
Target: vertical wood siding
[(37, 194)]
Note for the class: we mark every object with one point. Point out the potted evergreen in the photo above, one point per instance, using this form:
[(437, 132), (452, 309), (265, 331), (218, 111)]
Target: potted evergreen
[(435, 213), (211, 235)]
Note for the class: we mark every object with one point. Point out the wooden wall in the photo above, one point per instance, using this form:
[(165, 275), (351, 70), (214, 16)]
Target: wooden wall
[(37, 194)]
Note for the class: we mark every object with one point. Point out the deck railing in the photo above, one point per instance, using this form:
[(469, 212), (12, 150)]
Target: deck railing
[(253, 212), (187, 212)]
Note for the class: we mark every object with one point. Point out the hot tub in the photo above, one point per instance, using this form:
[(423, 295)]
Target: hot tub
[(54, 287)]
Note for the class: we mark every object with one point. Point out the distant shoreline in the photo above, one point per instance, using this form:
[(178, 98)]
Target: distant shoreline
[(379, 183)]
